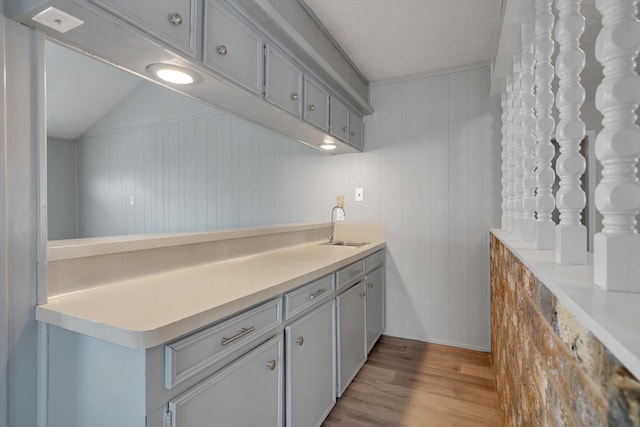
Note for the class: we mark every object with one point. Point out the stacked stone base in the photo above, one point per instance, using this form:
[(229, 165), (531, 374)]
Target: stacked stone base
[(550, 370)]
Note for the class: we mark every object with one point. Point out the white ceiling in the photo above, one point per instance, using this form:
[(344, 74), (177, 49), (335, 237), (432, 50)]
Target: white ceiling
[(396, 38)]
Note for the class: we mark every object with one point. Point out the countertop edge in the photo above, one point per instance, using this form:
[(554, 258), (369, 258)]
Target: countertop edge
[(145, 339)]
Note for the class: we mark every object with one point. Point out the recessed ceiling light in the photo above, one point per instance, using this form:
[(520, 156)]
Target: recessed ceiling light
[(173, 74), (328, 147)]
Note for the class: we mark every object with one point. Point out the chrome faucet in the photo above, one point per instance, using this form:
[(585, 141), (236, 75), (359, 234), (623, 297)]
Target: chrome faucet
[(333, 222)]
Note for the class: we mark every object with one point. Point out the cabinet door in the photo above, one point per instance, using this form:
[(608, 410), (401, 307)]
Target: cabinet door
[(339, 123), (171, 21), (316, 104), (351, 334), (232, 48), (311, 390), (247, 393), (283, 81), (375, 306), (356, 137)]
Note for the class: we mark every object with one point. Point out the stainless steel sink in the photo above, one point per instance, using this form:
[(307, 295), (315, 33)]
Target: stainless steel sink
[(345, 243)]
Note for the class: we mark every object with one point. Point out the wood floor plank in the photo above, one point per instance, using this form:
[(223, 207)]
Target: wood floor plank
[(409, 383)]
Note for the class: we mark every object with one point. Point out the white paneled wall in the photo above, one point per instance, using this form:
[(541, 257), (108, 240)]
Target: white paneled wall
[(429, 175), (209, 172)]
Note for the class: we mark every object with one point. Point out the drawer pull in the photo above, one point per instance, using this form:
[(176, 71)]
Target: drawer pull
[(221, 49), (345, 129), (362, 293), (271, 365), (317, 293), (312, 107), (175, 19), (353, 133), (300, 340), (243, 332), (354, 273), (294, 96), (371, 285)]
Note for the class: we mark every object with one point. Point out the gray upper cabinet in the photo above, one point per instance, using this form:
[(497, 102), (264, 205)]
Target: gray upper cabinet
[(356, 138), (339, 120), (232, 48), (171, 21), (283, 81), (316, 104)]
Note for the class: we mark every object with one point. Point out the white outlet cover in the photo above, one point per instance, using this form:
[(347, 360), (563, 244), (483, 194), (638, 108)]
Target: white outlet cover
[(339, 215), (359, 196), (57, 20)]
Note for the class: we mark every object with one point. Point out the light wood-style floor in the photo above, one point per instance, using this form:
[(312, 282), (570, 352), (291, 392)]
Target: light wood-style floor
[(413, 384)]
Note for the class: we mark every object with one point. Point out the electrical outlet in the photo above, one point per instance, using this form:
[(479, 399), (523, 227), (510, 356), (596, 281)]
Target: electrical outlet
[(339, 215), (359, 196), (132, 200), (340, 201)]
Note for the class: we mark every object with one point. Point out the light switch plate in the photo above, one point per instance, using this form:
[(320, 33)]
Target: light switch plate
[(359, 196)]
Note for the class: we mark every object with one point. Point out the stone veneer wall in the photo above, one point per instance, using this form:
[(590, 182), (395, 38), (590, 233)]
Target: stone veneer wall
[(550, 370)]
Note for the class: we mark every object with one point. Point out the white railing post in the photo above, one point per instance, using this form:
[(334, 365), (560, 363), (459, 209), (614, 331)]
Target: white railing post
[(545, 124), (503, 105), (617, 197), (510, 157), (528, 139), (517, 146), (571, 235)]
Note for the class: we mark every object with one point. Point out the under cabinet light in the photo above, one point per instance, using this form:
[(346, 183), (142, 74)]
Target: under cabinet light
[(328, 146), (173, 74)]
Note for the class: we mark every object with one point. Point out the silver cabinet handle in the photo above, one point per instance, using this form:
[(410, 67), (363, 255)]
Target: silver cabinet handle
[(317, 293), (243, 332), (175, 18), (312, 107), (221, 49), (355, 273), (353, 133), (362, 293), (294, 96), (271, 365), (346, 129), (300, 340), (371, 285)]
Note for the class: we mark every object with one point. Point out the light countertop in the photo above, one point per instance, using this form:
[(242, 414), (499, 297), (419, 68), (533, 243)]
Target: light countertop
[(147, 311)]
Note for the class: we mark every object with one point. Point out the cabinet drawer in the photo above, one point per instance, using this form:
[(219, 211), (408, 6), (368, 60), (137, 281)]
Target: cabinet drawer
[(349, 274), (191, 355), (232, 48), (173, 22), (316, 101), (373, 261), (301, 299), (283, 81)]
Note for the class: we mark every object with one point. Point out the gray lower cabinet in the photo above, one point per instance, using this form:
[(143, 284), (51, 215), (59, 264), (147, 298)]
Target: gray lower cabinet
[(351, 334), (283, 81), (316, 104), (375, 306), (231, 47), (247, 393), (310, 353), (174, 22)]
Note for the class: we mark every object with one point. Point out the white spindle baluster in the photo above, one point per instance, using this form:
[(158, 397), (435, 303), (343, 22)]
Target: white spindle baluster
[(545, 176), (517, 146), (571, 235), (510, 156), (503, 105), (528, 139), (617, 197)]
